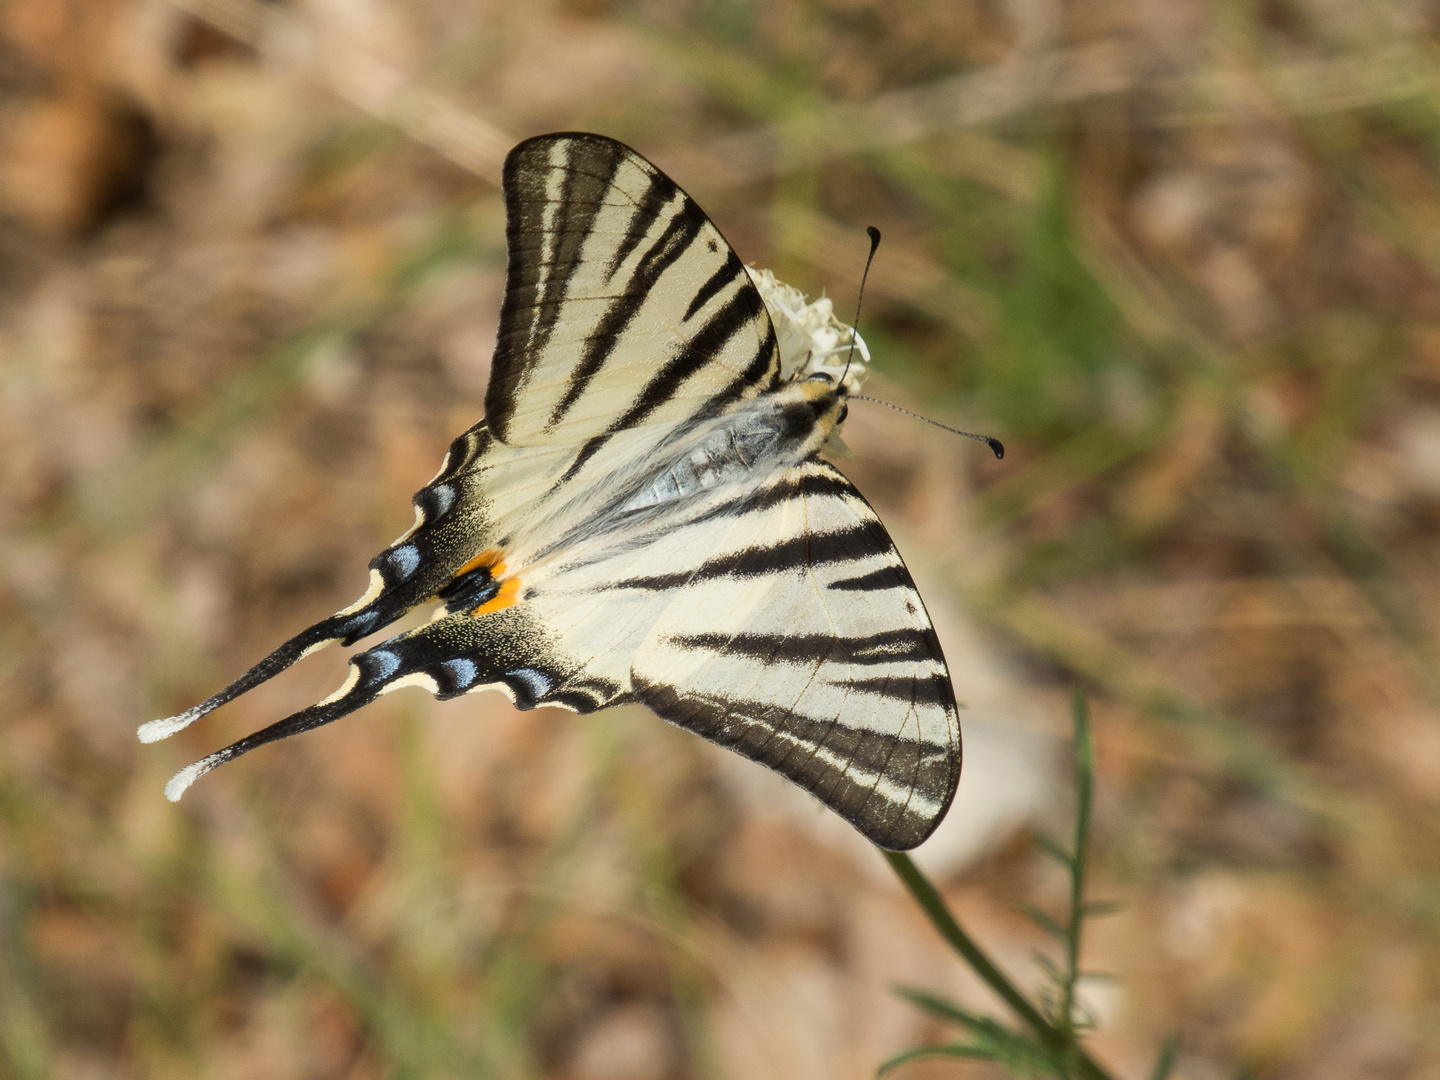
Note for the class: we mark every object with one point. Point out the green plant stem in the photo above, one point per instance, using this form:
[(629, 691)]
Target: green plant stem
[(929, 899), (1084, 786)]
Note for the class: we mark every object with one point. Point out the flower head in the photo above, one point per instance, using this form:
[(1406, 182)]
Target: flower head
[(811, 338)]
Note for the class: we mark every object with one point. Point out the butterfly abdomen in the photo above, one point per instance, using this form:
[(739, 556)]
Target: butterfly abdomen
[(761, 439)]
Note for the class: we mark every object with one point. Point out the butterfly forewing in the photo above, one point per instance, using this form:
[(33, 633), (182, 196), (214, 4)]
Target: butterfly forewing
[(624, 306)]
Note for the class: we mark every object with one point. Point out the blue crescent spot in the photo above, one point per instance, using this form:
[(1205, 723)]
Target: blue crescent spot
[(463, 670), (360, 623), (386, 663), (404, 560), (444, 499), (537, 682)]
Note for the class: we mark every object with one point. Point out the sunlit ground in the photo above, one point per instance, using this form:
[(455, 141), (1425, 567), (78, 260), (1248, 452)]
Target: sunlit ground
[(1181, 257)]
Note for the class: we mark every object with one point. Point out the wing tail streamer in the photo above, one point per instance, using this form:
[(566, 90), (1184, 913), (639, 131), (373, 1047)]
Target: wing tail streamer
[(363, 687), (455, 655), (326, 632), (407, 573)]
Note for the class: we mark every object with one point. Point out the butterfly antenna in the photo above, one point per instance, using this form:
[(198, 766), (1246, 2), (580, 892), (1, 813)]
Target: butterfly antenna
[(995, 444), (855, 326)]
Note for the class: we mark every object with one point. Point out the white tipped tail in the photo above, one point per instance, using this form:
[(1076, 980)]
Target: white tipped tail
[(187, 776), (156, 730)]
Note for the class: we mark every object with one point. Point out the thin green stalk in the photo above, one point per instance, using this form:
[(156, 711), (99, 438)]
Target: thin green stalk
[(934, 906), (1084, 788)]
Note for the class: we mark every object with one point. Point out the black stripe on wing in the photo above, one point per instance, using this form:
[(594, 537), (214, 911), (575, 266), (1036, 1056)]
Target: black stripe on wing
[(726, 273), (812, 481), (932, 689), (882, 577), (541, 257), (791, 554), (886, 647)]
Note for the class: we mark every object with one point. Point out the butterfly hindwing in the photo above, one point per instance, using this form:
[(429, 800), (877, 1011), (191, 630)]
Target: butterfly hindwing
[(451, 522), (800, 641), (778, 621)]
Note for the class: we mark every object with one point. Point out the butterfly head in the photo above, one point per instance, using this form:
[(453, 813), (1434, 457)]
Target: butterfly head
[(811, 410), (829, 397)]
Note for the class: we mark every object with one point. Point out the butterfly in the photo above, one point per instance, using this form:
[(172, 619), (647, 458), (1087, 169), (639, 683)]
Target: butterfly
[(643, 515)]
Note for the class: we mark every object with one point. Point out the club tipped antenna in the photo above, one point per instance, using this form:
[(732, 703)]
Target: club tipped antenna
[(855, 326), (995, 444)]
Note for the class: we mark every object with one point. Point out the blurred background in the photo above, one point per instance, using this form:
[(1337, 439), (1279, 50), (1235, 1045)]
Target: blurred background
[(1180, 255)]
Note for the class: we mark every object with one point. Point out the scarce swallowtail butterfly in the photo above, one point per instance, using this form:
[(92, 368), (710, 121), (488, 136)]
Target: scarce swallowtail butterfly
[(644, 516)]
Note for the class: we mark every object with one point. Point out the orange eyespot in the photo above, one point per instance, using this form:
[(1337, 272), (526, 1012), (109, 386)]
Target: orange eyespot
[(493, 558), (508, 594), (492, 561)]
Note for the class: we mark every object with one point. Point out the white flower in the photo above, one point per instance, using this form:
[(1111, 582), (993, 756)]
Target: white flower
[(811, 338)]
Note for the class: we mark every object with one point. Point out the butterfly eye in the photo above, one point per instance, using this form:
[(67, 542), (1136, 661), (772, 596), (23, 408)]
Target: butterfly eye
[(822, 376), (844, 412)]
